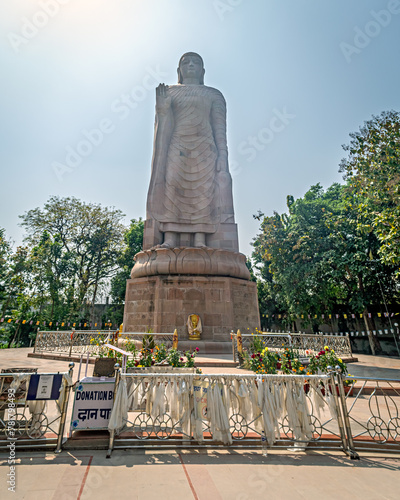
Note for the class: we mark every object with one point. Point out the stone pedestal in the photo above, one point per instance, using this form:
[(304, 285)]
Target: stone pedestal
[(163, 303), (190, 261)]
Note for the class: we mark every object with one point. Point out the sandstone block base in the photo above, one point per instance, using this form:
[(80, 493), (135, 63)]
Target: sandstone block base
[(163, 303)]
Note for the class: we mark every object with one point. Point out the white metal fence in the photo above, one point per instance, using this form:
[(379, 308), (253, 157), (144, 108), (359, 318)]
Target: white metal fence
[(190, 410), (32, 423)]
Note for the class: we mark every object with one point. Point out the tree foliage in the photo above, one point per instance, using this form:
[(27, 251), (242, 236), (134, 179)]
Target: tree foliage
[(76, 248), (133, 243), (372, 168), (73, 251), (5, 252), (316, 260)]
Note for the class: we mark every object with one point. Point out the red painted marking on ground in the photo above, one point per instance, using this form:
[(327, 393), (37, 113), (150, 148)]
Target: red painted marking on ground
[(84, 478), (187, 477)]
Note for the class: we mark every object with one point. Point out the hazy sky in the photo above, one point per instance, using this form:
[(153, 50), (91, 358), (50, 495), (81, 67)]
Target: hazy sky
[(298, 77)]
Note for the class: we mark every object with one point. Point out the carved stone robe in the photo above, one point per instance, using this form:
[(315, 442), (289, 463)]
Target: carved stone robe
[(190, 200)]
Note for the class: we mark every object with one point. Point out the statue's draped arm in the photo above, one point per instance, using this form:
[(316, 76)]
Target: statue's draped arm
[(163, 128), (218, 123), (224, 179)]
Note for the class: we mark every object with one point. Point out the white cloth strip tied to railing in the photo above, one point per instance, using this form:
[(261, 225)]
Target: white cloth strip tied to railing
[(297, 412), (271, 399), (66, 382), (18, 380), (218, 413), (119, 414), (38, 407), (317, 398), (263, 400)]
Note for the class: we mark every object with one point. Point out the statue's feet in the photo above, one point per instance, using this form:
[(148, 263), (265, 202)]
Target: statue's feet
[(165, 245), (199, 240)]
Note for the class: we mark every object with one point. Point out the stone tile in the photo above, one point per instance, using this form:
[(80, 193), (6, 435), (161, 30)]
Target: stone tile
[(193, 295)]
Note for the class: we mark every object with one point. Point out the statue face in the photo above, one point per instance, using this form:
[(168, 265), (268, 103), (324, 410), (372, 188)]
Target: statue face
[(191, 67)]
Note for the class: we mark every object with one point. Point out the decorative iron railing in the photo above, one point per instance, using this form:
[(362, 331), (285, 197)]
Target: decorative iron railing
[(77, 342), (237, 410), (159, 338), (303, 343), (32, 421), (229, 409), (371, 409), (71, 342)]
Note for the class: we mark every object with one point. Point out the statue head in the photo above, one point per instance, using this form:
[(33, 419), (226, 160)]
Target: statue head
[(191, 65)]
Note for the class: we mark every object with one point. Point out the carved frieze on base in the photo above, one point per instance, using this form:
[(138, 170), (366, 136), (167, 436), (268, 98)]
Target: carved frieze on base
[(202, 261)]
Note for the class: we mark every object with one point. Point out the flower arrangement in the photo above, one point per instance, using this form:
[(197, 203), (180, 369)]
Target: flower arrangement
[(103, 351), (327, 357), (160, 355), (289, 362), (267, 361), (264, 361), (347, 382), (260, 359)]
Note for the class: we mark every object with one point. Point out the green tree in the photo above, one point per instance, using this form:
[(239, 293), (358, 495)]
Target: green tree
[(53, 273), (5, 253), (372, 168), (77, 246), (294, 248), (315, 260), (133, 243), (20, 297)]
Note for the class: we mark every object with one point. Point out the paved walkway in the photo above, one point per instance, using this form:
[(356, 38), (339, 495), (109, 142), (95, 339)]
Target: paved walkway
[(19, 358), (375, 367), (202, 474), (367, 366), (233, 475)]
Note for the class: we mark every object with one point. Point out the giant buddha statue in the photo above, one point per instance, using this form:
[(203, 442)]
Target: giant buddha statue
[(190, 266), (190, 191), (189, 202)]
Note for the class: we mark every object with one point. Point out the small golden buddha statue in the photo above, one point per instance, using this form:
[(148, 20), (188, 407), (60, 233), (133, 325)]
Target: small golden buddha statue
[(194, 326)]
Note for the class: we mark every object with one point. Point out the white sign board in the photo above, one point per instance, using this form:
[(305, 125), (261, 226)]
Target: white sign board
[(92, 405), (44, 387)]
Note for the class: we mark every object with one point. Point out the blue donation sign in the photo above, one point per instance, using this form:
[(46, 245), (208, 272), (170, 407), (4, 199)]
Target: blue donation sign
[(92, 406), (44, 386)]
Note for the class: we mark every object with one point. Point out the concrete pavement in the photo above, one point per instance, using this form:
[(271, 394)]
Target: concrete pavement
[(367, 366), (375, 367), (203, 475), (200, 474), (19, 358)]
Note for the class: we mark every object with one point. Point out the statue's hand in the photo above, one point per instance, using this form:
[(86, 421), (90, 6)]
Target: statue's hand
[(222, 163), (163, 100)]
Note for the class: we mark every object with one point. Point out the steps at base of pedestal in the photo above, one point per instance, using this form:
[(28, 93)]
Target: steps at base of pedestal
[(207, 362), (206, 347)]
